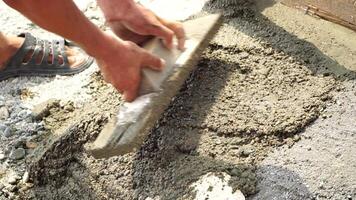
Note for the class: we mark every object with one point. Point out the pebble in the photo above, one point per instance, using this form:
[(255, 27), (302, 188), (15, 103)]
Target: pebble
[(31, 145), (11, 188), (2, 156), (3, 127), (26, 177), (235, 172), (12, 196), (246, 150), (12, 180), (69, 107), (296, 138), (244, 55), (4, 113), (7, 133), (24, 114), (21, 142), (17, 154)]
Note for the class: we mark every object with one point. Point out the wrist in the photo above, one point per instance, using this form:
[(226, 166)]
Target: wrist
[(106, 47)]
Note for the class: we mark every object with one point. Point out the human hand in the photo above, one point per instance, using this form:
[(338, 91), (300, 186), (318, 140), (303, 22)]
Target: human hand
[(122, 63), (133, 22)]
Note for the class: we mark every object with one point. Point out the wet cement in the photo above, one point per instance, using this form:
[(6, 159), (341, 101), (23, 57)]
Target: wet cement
[(256, 87), (321, 165)]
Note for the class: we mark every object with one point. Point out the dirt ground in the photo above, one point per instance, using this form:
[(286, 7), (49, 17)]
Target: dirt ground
[(270, 104)]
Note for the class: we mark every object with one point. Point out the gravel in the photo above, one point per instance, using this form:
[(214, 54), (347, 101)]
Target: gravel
[(4, 113), (2, 156), (25, 177), (7, 132), (17, 154)]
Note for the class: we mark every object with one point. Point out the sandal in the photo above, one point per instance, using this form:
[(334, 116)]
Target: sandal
[(36, 66)]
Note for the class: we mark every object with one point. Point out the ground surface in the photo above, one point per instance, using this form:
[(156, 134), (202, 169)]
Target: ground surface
[(269, 109)]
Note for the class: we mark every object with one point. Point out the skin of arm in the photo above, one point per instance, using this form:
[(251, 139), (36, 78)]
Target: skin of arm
[(120, 61)]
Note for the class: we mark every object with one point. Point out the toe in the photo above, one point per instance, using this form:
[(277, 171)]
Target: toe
[(75, 57)]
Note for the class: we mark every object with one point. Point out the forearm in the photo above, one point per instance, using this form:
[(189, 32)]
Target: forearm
[(63, 18)]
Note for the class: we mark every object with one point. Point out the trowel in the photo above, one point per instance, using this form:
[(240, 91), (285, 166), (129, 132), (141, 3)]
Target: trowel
[(127, 131)]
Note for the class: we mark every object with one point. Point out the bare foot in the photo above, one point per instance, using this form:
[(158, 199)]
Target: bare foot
[(75, 58)]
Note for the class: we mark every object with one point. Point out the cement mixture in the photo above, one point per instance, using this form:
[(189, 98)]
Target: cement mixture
[(265, 108)]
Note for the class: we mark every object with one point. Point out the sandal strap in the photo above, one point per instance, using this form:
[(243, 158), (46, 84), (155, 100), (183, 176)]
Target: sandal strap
[(55, 47), (37, 50), (62, 44), (28, 45), (46, 51)]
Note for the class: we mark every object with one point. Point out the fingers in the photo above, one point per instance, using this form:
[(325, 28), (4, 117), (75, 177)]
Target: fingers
[(152, 62), (148, 61), (178, 30), (180, 34), (162, 32)]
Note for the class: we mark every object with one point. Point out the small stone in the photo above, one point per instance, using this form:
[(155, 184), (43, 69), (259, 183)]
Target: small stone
[(246, 150), (296, 138), (2, 127), (17, 154), (235, 172), (23, 189), (69, 107), (7, 133), (31, 145), (12, 196), (4, 113), (12, 180), (10, 188), (244, 55), (26, 177), (289, 142), (127, 172), (2, 156)]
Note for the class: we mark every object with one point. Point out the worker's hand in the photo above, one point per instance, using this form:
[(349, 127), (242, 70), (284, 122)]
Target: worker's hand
[(121, 65), (133, 22)]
